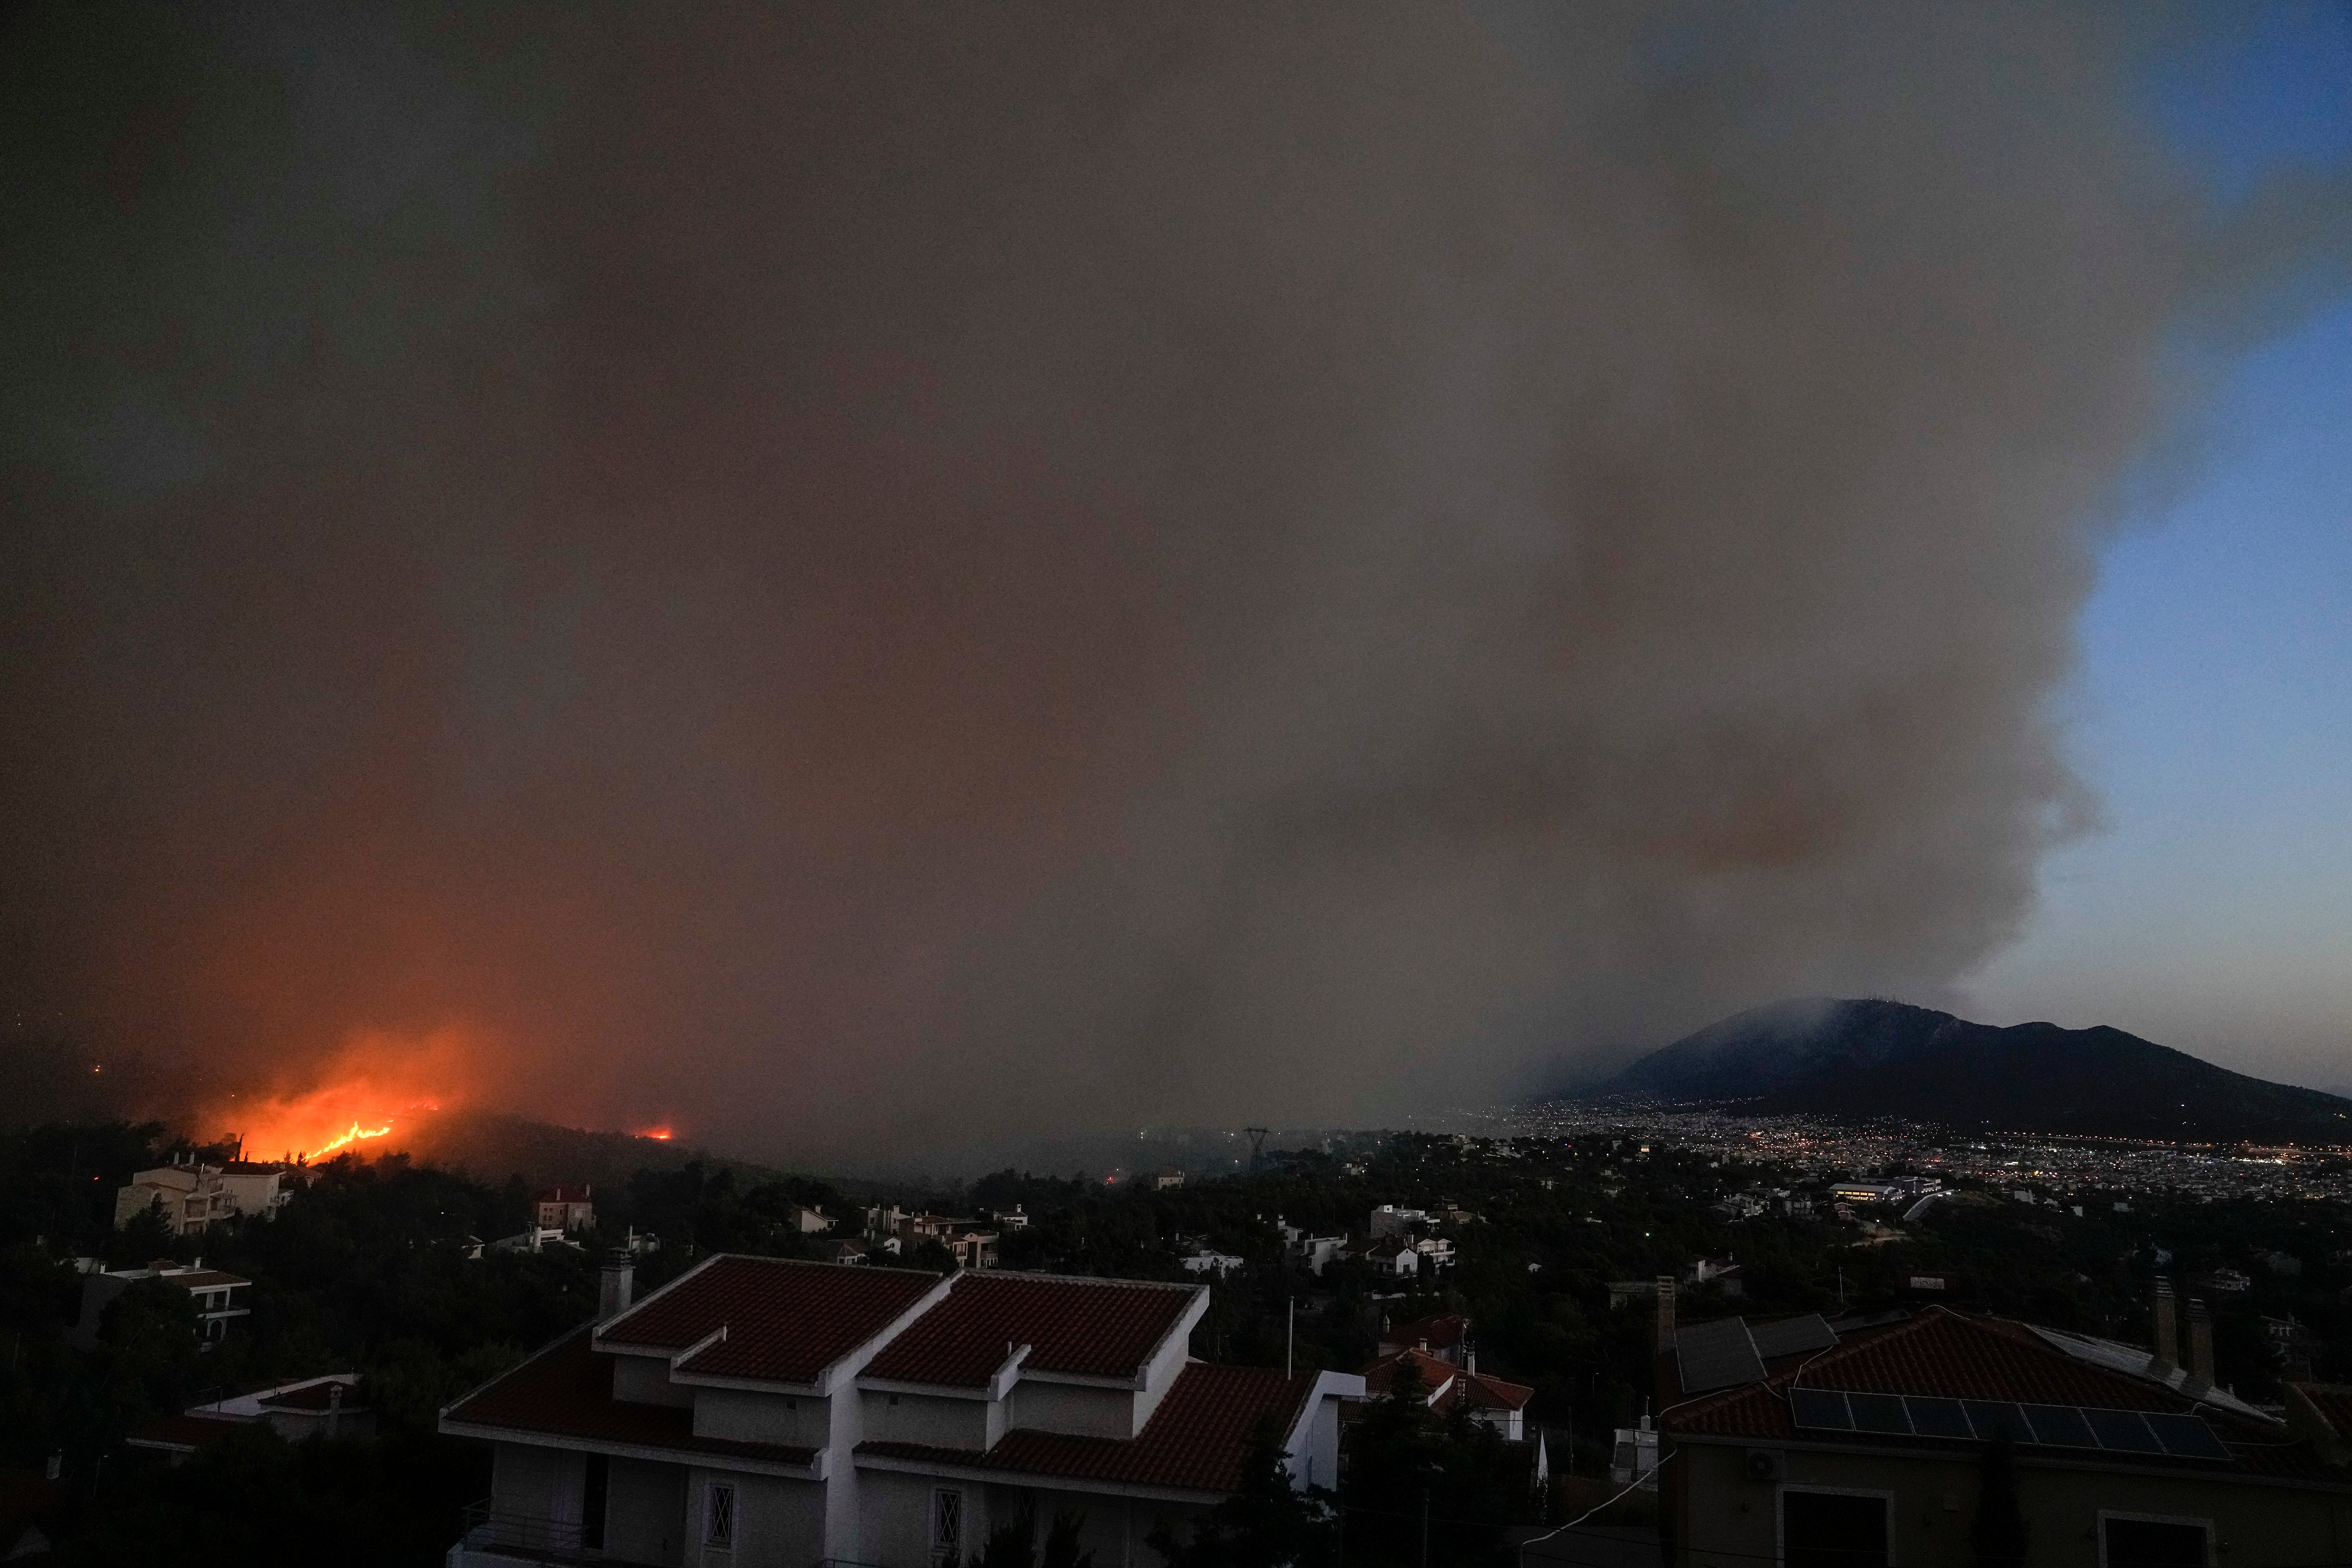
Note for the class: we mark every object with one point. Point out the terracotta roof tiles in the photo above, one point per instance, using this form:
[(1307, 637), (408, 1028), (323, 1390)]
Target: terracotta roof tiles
[(568, 1390), (1195, 1441), (786, 1320), (1088, 1328)]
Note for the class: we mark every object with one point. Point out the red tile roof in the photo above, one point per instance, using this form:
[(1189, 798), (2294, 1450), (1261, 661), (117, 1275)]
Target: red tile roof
[(786, 1320), (1477, 1390), (184, 1433), (1194, 1442), (1093, 1328), (1481, 1392), (1442, 1332), (1963, 1356), (2333, 1401), (1434, 1374), (567, 1390), (318, 1395)]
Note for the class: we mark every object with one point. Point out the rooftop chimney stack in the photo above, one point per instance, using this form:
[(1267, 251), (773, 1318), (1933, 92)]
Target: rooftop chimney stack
[(2200, 1352), (1665, 1313), (614, 1285), (2165, 1359)]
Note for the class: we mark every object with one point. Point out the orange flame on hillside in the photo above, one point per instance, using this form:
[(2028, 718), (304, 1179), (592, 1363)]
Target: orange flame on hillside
[(662, 1134), (377, 1083)]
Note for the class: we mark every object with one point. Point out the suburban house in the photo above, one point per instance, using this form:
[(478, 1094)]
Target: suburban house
[(766, 1410), (1489, 1401), (807, 1221), (1875, 1442), (969, 1241), (325, 1406), (215, 1293), (1445, 1336), (1316, 1252), (564, 1209), (195, 1194), (1209, 1260), (1396, 1255)]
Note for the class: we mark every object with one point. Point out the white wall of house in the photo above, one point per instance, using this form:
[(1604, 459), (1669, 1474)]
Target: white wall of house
[(644, 1513), (644, 1380), (742, 1416), (540, 1485), (926, 1418), (1082, 1408), (777, 1520), (895, 1514)]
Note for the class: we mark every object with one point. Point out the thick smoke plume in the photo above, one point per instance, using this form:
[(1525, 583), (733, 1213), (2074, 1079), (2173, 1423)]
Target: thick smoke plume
[(859, 573)]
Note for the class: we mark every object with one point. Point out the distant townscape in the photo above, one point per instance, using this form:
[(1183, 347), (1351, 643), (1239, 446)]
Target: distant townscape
[(1602, 1325)]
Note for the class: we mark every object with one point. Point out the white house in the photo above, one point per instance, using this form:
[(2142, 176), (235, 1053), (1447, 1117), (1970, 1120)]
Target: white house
[(1207, 1262), (215, 1293), (194, 1195), (765, 1410), (325, 1406)]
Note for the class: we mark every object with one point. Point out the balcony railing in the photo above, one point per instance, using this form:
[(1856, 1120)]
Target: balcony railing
[(533, 1538)]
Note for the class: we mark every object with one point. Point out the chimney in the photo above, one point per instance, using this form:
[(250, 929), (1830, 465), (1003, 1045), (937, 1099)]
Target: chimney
[(2200, 1352), (1665, 1313), (614, 1285), (2164, 1359), (56, 1464), (334, 1408)]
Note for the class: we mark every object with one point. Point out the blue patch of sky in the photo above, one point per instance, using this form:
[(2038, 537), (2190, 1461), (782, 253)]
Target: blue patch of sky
[(2214, 706)]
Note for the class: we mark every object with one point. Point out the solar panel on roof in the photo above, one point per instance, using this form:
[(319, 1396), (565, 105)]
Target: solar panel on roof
[(2187, 1436), (2121, 1430), (1716, 1355), (1819, 1408), (1791, 1336), (1991, 1417), (1938, 1417), (1879, 1413), (2060, 1427)]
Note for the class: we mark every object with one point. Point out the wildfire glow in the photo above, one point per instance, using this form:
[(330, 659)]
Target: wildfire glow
[(354, 1136), (377, 1082), (659, 1133)]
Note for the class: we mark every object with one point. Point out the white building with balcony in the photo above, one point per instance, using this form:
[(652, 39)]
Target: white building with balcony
[(762, 1410)]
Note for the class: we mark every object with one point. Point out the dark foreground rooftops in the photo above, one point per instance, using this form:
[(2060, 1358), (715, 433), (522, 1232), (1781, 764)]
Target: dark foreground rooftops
[(784, 1321), (1195, 1441), (1985, 1367), (567, 1389), (1082, 1328)]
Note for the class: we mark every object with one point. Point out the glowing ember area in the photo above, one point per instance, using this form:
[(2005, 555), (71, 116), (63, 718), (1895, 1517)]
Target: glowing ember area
[(376, 1085), (662, 1134), (354, 1136)]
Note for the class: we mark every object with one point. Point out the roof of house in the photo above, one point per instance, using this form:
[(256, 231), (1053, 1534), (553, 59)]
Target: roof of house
[(205, 1279), (2333, 1401), (180, 1434), (568, 1389), (1088, 1328), (1442, 1331), (1434, 1374), (1479, 1391), (1940, 1352), (785, 1320), (1195, 1441), (564, 1194), (318, 1395)]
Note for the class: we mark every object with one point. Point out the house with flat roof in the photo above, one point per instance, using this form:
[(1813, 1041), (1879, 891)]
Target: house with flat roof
[(760, 1409), (194, 1195), (327, 1407), (1874, 1442), (218, 1296)]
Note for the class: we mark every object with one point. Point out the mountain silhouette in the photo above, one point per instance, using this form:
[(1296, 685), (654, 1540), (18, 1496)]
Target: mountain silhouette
[(1824, 1056)]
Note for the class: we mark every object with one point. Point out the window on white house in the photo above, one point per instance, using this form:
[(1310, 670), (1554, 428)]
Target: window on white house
[(1833, 1529), (719, 1515), (947, 1524), (2153, 1543)]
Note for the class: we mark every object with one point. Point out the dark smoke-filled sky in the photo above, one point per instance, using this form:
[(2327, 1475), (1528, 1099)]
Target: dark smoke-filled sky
[(903, 575)]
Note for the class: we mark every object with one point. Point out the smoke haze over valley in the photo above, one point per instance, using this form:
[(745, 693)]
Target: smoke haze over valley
[(893, 575)]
